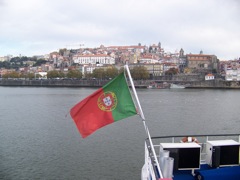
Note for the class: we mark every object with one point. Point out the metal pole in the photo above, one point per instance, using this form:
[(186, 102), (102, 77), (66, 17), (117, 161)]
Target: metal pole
[(143, 120)]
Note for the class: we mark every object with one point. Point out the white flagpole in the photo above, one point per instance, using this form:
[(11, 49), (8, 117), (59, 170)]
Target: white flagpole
[(143, 120)]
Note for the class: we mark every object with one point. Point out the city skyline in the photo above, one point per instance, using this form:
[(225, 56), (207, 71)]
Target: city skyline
[(39, 27)]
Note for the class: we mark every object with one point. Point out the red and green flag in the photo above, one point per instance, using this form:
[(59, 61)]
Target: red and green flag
[(108, 104)]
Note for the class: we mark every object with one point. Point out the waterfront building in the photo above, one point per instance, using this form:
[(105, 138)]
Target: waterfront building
[(182, 61), (2, 59), (148, 58), (232, 75), (87, 69), (231, 70), (154, 69), (134, 48), (167, 66), (157, 49), (202, 62), (6, 58), (93, 59), (209, 77)]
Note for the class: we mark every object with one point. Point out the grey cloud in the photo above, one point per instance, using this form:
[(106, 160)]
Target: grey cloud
[(192, 25)]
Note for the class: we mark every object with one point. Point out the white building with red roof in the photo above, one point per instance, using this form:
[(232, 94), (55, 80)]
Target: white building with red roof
[(93, 59), (209, 77)]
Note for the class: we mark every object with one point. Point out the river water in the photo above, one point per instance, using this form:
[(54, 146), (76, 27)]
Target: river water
[(39, 140)]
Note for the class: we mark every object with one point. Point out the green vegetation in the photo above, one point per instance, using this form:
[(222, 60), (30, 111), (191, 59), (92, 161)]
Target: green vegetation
[(17, 62), (15, 75), (11, 75), (74, 74), (102, 73), (171, 71), (55, 74), (139, 73), (39, 62)]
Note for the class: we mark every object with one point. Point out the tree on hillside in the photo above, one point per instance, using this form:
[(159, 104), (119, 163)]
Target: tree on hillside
[(13, 74), (55, 74), (39, 62), (139, 72), (171, 71), (111, 72), (62, 51), (5, 64), (101, 73), (98, 73), (74, 74)]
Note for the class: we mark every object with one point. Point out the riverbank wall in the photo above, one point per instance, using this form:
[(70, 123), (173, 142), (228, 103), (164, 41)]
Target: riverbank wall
[(211, 84), (64, 83), (53, 83), (215, 84)]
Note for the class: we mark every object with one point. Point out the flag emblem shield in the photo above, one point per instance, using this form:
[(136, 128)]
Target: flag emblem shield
[(107, 101)]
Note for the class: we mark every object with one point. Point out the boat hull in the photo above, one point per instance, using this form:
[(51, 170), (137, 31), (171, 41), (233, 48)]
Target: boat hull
[(176, 86)]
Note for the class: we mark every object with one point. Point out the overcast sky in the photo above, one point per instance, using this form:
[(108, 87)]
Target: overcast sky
[(36, 27)]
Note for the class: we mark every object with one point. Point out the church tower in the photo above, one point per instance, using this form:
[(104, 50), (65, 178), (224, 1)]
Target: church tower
[(181, 53)]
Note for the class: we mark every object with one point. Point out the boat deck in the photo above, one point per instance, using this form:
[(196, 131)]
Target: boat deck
[(208, 173), (204, 170)]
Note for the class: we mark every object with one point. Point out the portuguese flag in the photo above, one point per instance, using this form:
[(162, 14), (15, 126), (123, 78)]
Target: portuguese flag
[(108, 104)]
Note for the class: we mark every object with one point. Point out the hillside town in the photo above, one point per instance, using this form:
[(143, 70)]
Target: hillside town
[(153, 58)]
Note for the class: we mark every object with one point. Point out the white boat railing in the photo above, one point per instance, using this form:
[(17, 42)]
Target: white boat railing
[(150, 163)]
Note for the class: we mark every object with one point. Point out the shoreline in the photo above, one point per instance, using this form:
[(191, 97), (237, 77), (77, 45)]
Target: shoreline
[(211, 84)]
